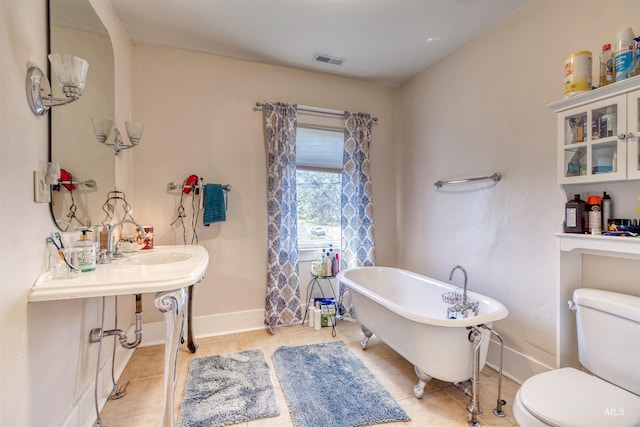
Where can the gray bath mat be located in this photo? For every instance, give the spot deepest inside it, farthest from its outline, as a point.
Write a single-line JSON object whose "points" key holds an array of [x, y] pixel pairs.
{"points": [[327, 385], [228, 389]]}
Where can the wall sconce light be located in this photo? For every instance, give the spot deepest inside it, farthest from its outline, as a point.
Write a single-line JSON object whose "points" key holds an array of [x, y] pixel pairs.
{"points": [[71, 73], [102, 129]]}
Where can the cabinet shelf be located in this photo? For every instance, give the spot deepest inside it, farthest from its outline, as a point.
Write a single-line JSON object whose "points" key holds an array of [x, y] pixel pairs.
{"points": [[608, 91], [616, 246], [598, 134]]}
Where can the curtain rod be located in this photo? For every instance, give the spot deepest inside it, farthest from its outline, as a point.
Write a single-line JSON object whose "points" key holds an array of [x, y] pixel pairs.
{"points": [[320, 111]]}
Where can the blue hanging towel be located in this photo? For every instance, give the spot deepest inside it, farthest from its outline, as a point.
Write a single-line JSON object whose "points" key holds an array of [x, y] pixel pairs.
{"points": [[214, 204]]}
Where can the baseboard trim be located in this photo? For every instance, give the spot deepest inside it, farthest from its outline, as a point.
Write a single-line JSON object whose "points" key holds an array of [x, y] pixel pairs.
{"points": [[209, 326], [515, 366]]}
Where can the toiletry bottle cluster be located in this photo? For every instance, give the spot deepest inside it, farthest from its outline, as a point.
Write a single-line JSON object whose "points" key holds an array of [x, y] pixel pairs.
{"points": [[622, 60], [77, 257], [618, 61], [322, 313], [328, 265], [590, 216]]}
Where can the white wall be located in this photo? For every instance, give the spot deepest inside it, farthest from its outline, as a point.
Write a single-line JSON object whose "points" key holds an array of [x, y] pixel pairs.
{"points": [[200, 118], [46, 363], [479, 111], [23, 148]]}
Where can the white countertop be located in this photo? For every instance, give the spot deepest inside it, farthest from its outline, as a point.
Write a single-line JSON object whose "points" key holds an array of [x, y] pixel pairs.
{"points": [[123, 277]]}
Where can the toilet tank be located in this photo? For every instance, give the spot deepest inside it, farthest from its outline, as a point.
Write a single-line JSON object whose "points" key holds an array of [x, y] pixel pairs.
{"points": [[609, 336]]}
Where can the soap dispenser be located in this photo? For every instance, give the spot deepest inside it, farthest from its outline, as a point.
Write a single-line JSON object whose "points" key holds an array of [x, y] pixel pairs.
{"points": [[86, 252]]}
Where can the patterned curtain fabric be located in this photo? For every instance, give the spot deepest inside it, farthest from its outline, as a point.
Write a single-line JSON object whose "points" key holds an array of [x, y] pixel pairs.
{"points": [[282, 306], [358, 248]]}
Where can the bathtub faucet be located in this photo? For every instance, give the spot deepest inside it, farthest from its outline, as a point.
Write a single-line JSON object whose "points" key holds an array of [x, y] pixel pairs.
{"points": [[463, 307], [464, 293]]}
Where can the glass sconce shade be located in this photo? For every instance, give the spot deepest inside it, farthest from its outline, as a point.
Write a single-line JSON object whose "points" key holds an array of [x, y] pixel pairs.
{"points": [[70, 71], [134, 131], [102, 128]]}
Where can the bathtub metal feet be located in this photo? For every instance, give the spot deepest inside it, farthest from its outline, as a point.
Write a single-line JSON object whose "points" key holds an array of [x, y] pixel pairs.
{"points": [[423, 379], [118, 392], [367, 335]]}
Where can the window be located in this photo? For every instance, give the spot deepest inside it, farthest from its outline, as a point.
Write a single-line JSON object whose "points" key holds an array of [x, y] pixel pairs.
{"points": [[318, 186]]}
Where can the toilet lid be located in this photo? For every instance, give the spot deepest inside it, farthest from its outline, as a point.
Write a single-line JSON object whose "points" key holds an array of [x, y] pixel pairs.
{"points": [[570, 398]]}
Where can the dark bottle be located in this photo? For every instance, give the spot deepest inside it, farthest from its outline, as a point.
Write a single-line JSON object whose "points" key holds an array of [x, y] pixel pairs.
{"points": [[607, 211], [575, 215]]}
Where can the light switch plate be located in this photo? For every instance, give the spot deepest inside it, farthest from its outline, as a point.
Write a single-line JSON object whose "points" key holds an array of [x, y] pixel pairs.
{"points": [[41, 190]]}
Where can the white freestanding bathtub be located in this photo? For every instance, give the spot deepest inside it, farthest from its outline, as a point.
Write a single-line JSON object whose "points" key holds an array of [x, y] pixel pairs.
{"points": [[407, 312]]}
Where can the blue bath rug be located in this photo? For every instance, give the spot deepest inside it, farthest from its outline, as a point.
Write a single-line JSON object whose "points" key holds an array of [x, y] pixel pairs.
{"points": [[228, 389], [327, 385]]}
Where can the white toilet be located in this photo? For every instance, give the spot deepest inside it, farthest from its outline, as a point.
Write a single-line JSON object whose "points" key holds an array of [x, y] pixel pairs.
{"points": [[608, 326]]}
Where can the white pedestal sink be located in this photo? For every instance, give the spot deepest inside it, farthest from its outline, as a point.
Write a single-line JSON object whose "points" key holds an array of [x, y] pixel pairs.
{"points": [[166, 270]]}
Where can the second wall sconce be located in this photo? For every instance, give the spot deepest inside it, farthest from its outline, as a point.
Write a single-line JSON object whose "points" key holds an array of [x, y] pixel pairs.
{"points": [[71, 73], [102, 129]]}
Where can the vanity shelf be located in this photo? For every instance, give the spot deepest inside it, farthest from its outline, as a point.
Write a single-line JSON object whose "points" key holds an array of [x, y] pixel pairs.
{"points": [[615, 246]]}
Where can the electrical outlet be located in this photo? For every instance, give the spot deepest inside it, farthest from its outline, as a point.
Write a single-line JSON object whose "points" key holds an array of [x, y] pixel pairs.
{"points": [[41, 190]]}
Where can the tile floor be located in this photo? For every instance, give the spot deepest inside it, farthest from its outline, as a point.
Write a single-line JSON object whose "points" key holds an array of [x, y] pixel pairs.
{"points": [[442, 405]]}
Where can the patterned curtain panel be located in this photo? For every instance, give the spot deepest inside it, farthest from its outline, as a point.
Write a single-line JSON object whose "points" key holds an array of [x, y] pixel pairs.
{"points": [[282, 305], [358, 248]]}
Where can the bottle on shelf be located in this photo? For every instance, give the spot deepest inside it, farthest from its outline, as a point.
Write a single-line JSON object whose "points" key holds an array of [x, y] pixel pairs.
{"points": [[623, 55], [608, 122], [86, 252], [327, 266], [594, 215], [634, 69], [575, 215], [606, 65], [607, 211]]}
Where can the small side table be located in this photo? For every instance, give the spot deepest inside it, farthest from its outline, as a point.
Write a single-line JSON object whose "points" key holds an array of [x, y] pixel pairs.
{"points": [[315, 280]]}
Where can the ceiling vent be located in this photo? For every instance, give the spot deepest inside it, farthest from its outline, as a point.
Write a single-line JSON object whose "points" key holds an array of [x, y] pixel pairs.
{"points": [[327, 59]]}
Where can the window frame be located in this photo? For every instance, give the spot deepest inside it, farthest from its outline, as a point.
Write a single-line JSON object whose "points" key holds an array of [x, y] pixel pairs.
{"points": [[311, 248]]}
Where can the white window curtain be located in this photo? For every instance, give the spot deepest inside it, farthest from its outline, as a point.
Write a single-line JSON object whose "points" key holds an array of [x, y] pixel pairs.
{"points": [[282, 306], [358, 248]]}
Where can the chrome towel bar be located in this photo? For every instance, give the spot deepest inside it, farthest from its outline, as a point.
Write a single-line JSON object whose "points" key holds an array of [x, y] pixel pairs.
{"points": [[495, 178], [172, 186]]}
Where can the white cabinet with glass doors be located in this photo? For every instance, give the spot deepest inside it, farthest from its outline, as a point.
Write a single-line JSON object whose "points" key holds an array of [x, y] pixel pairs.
{"points": [[598, 134]]}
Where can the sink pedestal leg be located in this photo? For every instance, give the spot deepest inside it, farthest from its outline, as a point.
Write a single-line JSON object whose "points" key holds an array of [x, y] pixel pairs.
{"points": [[172, 305], [191, 343]]}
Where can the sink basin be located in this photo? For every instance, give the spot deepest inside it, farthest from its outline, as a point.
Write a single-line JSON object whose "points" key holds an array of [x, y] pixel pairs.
{"points": [[154, 258], [163, 268]]}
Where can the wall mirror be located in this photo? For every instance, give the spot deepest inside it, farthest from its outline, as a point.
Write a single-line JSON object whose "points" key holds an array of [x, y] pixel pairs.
{"points": [[75, 28]]}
